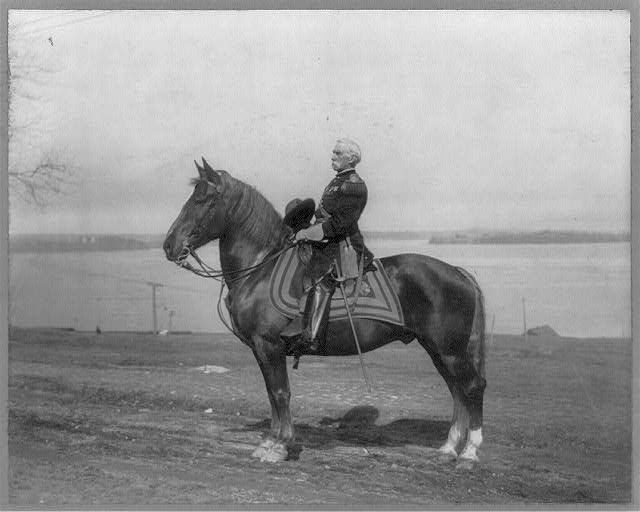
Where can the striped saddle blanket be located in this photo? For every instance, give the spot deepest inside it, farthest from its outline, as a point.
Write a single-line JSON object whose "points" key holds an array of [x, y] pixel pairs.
{"points": [[377, 300]]}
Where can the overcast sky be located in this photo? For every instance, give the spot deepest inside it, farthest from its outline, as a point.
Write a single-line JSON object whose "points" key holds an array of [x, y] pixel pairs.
{"points": [[490, 119]]}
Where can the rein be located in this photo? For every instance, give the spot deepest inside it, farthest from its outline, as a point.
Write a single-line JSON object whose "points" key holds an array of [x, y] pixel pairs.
{"points": [[220, 275], [210, 272]]}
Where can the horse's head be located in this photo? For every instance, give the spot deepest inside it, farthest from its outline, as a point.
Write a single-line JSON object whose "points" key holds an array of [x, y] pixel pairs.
{"points": [[201, 219]]}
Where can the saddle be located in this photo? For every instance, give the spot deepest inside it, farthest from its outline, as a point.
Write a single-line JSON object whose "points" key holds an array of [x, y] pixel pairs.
{"points": [[372, 297]]}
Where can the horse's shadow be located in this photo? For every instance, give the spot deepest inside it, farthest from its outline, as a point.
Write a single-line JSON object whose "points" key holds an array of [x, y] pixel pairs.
{"points": [[357, 427]]}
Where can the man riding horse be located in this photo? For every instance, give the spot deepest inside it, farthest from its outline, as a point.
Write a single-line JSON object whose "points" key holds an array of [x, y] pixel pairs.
{"points": [[442, 305], [336, 226]]}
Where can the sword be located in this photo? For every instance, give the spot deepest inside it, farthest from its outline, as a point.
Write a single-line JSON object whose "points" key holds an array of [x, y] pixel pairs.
{"points": [[340, 281]]}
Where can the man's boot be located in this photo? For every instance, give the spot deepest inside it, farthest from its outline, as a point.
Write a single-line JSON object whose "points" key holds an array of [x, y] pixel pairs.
{"points": [[316, 314], [308, 330]]}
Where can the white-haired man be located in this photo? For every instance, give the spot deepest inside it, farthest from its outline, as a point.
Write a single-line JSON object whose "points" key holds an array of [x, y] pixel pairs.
{"points": [[342, 203]]}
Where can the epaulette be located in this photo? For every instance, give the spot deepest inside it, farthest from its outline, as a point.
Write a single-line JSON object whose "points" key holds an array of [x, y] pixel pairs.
{"points": [[354, 186]]}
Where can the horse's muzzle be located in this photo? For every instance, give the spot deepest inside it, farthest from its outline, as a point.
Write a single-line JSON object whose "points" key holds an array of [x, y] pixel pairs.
{"points": [[170, 251]]}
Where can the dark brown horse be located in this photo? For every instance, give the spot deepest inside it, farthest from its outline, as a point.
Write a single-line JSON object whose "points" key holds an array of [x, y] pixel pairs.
{"points": [[442, 305]]}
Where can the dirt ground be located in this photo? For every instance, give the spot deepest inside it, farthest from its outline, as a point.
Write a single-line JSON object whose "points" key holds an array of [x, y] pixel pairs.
{"points": [[135, 419]]}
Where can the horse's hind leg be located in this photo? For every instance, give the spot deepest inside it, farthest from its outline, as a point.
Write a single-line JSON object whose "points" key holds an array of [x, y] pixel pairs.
{"points": [[470, 375], [273, 364], [467, 371], [460, 418], [471, 386], [466, 385], [459, 425]]}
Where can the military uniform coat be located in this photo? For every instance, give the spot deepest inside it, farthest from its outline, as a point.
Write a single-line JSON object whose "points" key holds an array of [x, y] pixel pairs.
{"points": [[342, 203]]}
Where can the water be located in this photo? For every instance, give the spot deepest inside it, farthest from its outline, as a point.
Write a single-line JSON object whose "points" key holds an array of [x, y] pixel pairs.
{"points": [[579, 290]]}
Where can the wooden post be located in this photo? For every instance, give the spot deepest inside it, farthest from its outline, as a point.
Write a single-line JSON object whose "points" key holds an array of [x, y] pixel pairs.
{"points": [[171, 313], [155, 314], [153, 306]]}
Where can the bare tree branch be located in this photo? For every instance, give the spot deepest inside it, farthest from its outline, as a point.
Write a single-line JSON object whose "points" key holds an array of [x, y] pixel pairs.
{"points": [[36, 171], [36, 183]]}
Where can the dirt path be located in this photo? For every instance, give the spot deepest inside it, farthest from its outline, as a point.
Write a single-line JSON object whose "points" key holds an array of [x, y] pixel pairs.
{"points": [[136, 419]]}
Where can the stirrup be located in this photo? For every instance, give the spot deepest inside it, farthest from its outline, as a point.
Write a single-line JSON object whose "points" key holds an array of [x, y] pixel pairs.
{"points": [[302, 343], [297, 345]]}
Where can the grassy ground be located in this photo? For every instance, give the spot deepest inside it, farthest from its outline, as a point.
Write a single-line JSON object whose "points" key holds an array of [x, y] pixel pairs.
{"points": [[131, 419]]}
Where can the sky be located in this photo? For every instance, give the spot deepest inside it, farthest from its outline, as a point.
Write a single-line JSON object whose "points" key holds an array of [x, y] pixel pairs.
{"points": [[466, 119]]}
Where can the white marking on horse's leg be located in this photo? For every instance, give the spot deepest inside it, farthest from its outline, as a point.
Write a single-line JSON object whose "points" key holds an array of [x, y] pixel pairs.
{"points": [[277, 453], [461, 418], [263, 448], [474, 441], [458, 429], [449, 448]]}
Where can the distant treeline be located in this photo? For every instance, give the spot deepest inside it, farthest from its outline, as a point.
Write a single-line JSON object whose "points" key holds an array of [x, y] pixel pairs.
{"points": [[62, 243], [529, 237]]}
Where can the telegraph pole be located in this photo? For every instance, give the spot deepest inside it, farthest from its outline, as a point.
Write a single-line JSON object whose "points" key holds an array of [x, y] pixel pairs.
{"points": [[153, 305], [171, 313]]}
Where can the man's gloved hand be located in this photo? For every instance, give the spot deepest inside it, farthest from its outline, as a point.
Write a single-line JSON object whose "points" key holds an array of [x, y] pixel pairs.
{"points": [[314, 233]]}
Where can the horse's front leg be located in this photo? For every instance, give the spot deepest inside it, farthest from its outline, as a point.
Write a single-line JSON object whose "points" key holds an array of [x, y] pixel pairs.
{"points": [[273, 364], [269, 440]]}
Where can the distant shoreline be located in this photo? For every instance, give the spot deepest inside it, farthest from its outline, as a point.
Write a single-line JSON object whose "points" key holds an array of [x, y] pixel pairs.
{"points": [[14, 329], [532, 237], [99, 243]]}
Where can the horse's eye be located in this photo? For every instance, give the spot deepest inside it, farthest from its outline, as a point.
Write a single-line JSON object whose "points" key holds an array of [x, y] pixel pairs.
{"points": [[200, 192]]}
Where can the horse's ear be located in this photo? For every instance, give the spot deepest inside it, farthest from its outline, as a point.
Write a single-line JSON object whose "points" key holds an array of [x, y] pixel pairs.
{"points": [[210, 172], [201, 170]]}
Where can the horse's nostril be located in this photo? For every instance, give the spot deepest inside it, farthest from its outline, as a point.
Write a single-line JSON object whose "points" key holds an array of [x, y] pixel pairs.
{"points": [[167, 247], [184, 254]]}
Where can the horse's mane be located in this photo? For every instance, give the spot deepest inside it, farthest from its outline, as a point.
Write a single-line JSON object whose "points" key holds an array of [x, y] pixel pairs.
{"points": [[250, 212]]}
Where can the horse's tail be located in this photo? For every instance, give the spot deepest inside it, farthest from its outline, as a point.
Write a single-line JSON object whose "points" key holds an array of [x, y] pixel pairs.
{"points": [[476, 346]]}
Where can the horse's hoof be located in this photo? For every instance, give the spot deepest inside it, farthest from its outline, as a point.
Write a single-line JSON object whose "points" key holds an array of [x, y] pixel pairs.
{"points": [[467, 460], [263, 448], [447, 453], [277, 453], [469, 454]]}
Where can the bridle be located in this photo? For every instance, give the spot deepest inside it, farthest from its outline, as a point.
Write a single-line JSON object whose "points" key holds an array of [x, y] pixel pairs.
{"points": [[210, 272]]}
